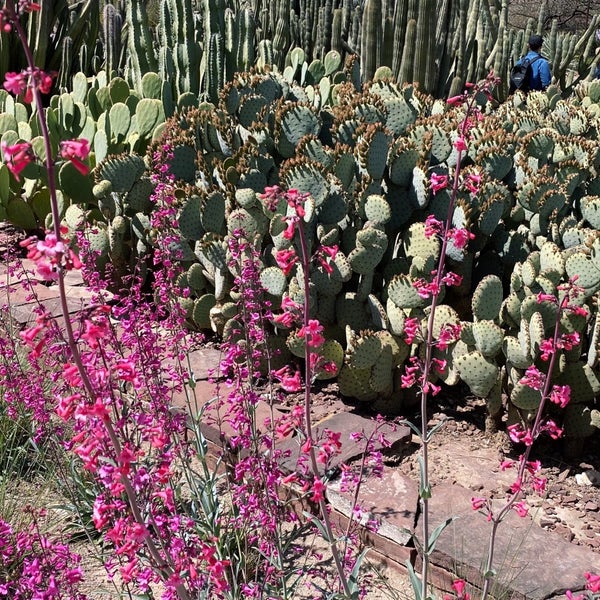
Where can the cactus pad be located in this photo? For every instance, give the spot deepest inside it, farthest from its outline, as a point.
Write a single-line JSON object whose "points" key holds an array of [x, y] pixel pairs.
{"points": [[477, 372]]}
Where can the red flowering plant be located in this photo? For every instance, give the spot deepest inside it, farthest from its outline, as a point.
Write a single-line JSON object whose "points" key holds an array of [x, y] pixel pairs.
{"points": [[423, 367]]}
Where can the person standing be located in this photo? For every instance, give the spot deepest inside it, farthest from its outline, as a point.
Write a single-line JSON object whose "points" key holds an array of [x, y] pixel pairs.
{"points": [[540, 76]]}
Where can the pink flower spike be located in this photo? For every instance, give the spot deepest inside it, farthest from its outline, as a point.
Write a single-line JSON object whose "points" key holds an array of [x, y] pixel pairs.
{"points": [[456, 100]]}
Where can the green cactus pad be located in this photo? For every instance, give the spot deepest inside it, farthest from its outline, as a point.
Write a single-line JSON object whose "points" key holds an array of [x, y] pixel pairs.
{"points": [[487, 299], [355, 383], [547, 310], [196, 279], [403, 294], [402, 162], [510, 311], [377, 209], [212, 214], [190, 224], [579, 421], [477, 372], [365, 351], [525, 398], [381, 379], [417, 244], [252, 221], [122, 171], [274, 281], [201, 312], [332, 352], [588, 274], [306, 177], [372, 150], [488, 337], [536, 333], [514, 354], [351, 312], [582, 380]]}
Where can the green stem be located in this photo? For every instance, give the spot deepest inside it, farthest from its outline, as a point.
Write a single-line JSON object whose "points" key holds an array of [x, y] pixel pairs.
{"points": [[307, 416], [525, 456]]}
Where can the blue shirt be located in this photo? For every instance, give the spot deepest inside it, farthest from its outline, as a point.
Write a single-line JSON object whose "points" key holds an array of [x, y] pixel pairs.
{"points": [[541, 76]]}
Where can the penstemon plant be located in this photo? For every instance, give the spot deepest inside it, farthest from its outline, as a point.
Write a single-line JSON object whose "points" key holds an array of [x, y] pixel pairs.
{"points": [[99, 384], [528, 477], [420, 369]]}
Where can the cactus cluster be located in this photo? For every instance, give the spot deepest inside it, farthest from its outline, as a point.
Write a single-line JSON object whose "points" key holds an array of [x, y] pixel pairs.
{"points": [[365, 155]]}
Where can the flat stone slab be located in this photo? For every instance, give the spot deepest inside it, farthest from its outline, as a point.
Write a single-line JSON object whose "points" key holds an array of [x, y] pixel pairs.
{"points": [[347, 423], [204, 363], [531, 563], [391, 500]]}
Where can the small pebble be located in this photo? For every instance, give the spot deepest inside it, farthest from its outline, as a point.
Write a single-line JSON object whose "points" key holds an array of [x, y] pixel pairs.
{"points": [[591, 506]]}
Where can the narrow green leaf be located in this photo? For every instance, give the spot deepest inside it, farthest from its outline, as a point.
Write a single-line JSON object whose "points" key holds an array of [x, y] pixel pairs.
{"points": [[414, 580], [437, 532]]}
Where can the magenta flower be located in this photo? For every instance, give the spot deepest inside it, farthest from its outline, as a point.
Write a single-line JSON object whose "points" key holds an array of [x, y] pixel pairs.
{"points": [[17, 156], [411, 328], [286, 259], [438, 182], [460, 144], [520, 508], [289, 382], [318, 491], [561, 395], [533, 378], [76, 151], [312, 333], [460, 237], [433, 226], [15, 83], [593, 582]]}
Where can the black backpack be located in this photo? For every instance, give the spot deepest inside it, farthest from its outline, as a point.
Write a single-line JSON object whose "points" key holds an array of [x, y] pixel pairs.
{"points": [[521, 74]]}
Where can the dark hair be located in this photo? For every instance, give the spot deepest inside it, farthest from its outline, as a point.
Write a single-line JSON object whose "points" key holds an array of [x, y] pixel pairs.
{"points": [[535, 42]]}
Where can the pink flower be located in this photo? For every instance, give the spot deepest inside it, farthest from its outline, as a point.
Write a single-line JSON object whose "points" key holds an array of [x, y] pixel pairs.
{"points": [[17, 157], [438, 182], [318, 491], [459, 587], [554, 431], [593, 582], [433, 226], [286, 259], [289, 382], [411, 327], [452, 279], [460, 237], [448, 335], [533, 378], [477, 503], [460, 144], [546, 349], [507, 464], [312, 333], [472, 182], [15, 83], [561, 395], [520, 508], [76, 151]]}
